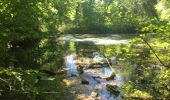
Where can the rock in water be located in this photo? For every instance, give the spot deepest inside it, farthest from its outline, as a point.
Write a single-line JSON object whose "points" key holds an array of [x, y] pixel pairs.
{"points": [[112, 76], [80, 69], [84, 81], [61, 71], [74, 75], [113, 89], [94, 94]]}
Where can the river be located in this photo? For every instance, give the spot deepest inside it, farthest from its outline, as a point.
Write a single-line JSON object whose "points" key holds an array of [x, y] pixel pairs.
{"points": [[90, 61]]}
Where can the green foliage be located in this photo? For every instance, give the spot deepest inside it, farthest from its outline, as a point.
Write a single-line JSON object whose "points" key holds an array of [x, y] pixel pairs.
{"points": [[162, 84], [149, 76], [29, 85], [16, 84], [29, 31], [52, 54], [24, 24]]}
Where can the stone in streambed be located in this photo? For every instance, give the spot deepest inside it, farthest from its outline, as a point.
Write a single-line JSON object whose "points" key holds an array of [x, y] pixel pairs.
{"points": [[84, 81], [94, 94], [112, 76], [74, 75], [80, 69], [62, 71], [113, 89]]}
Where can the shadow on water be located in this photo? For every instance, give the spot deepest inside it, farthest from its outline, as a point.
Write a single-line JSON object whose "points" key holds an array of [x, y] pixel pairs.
{"points": [[89, 75]]}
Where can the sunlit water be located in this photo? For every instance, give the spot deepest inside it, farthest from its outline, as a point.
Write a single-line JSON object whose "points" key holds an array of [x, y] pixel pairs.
{"points": [[96, 84], [98, 39], [71, 65], [99, 83]]}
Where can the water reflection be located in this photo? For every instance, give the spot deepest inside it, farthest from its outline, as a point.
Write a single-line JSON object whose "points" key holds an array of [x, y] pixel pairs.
{"points": [[118, 80], [107, 71], [106, 95], [71, 65], [95, 77], [84, 54]]}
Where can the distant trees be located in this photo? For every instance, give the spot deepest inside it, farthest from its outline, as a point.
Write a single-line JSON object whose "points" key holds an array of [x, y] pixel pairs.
{"points": [[30, 22]]}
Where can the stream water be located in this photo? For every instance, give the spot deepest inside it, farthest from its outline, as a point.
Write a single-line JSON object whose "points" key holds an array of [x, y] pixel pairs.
{"points": [[88, 69]]}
